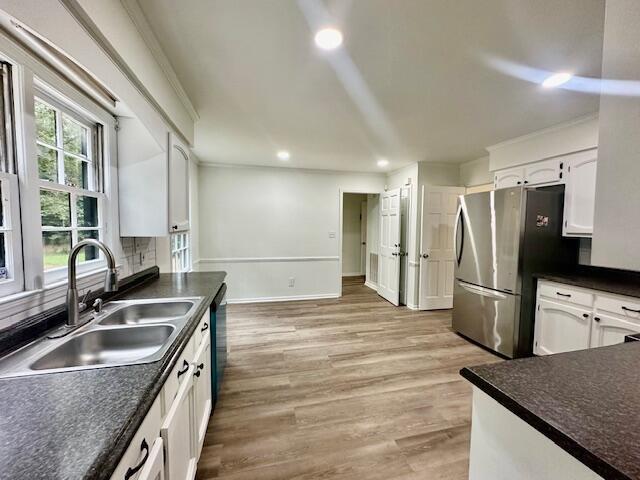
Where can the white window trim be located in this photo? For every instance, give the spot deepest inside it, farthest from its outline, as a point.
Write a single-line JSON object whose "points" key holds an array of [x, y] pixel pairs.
{"points": [[13, 235], [184, 252], [32, 77]]}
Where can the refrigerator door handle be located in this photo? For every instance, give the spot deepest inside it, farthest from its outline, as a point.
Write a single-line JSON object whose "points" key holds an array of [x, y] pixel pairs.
{"points": [[459, 230], [485, 292]]}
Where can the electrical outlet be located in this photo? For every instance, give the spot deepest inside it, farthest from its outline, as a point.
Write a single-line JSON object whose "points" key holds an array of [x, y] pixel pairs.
{"points": [[292, 282]]}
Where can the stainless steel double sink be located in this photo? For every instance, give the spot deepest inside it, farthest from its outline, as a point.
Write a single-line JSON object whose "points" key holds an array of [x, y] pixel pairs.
{"points": [[125, 333]]}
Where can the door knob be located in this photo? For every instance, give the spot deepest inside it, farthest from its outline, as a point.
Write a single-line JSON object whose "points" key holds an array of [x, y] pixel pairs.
{"points": [[425, 255]]}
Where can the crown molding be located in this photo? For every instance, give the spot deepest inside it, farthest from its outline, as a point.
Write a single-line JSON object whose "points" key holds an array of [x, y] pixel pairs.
{"points": [[133, 9]]}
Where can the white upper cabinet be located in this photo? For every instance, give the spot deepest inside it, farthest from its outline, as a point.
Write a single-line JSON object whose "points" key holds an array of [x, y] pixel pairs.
{"points": [[580, 192], [509, 177], [545, 172], [153, 182], [178, 186]]}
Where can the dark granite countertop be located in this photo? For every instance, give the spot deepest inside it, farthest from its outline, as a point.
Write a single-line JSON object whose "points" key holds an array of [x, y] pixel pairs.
{"points": [[606, 280], [75, 425], [585, 401]]}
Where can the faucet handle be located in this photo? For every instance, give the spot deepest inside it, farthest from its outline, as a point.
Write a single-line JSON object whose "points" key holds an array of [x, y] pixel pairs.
{"points": [[83, 303], [97, 305]]}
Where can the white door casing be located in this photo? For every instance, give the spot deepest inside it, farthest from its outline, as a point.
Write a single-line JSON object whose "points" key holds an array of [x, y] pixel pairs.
{"points": [[363, 237], [437, 250], [389, 259]]}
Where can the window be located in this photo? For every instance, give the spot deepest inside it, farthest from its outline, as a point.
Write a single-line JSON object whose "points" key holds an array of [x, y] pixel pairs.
{"points": [[180, 261], [70, 197], [11, 273]]}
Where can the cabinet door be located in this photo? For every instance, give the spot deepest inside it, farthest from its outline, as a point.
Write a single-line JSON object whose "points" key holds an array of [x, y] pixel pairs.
{"points": [[178, 187], [178, 433], [610, 330], [202, 392], [560, 328], [509, 177], [580, 194], [154, 467], [545, 171]]}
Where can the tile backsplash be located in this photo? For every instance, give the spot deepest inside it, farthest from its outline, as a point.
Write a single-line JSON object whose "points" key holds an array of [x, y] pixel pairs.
{"points": [[138, 254]]}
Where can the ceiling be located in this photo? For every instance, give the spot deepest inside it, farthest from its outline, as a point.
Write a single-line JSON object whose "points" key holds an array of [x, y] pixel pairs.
{"points": [[414, 80]]}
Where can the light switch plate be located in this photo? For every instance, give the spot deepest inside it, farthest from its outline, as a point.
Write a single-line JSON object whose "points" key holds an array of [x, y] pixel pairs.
{"points": [[332, 234]]}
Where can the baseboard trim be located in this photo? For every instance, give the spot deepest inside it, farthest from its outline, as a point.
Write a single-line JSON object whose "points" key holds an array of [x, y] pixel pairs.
{"points": [[290, 298], [353, 275], [371, 285], [413, 307]]}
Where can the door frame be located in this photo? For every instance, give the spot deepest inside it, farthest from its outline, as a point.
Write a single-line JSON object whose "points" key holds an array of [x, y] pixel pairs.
{"points": [[341, 193]]}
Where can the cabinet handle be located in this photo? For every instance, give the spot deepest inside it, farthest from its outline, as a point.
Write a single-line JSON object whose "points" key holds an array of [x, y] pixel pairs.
{"points": [[519, 183], [132, 471], [585, 315], [568, 295], [597, 319], [201, 366], [185, 367], [630, 309], [174, 227], [196, 373], [204, 327], [526, 181]]}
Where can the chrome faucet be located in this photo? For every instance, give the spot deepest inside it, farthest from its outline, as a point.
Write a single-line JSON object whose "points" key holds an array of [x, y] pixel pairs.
{"points": [[110, 280]]}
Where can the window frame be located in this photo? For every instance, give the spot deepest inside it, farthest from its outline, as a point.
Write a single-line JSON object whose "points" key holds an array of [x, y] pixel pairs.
{"points": [[94, 156], [181, 253], [13, 235]]}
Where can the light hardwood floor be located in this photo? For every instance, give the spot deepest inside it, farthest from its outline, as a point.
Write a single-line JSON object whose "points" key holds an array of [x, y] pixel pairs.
{"points": [[352, 388]]}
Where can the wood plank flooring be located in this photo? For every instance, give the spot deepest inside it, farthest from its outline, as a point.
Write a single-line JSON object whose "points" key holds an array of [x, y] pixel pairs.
{"points": [[352, 388]]}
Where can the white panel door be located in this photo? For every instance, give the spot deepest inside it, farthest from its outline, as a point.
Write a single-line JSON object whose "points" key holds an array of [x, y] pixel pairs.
{"points": [[202, 387], [560, 328], [437, 250], [580, 194], [154, 466], [389, 261]]}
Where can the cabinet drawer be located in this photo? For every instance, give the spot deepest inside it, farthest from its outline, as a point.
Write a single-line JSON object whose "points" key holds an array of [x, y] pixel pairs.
{"points": [[177, 375], [628, 307], [204, 329], [559, 291], [139, 450]]}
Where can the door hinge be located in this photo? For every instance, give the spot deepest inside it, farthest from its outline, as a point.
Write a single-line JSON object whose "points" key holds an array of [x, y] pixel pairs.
{"points": [[561, 165], [561, 175], [565, 223], [538, 307]]}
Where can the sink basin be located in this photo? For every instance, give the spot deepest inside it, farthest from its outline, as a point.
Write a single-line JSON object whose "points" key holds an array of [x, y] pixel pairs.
{"points": [[106, 347], [140, 313]]}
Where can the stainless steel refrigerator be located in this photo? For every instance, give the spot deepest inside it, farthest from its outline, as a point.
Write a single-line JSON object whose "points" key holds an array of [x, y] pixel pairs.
{"points": [[502, 238]]}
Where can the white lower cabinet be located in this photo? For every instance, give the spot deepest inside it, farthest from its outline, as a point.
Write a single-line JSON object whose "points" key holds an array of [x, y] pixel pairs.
{"points": [[178, 432], [560, 328], [610, 330], [202, 387], [153, 468], [168, 443], [571, 318]]}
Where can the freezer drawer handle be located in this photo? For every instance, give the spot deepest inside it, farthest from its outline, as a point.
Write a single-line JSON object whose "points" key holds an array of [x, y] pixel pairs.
{"points": [[568, 295], [132, 471], [630, 309]]}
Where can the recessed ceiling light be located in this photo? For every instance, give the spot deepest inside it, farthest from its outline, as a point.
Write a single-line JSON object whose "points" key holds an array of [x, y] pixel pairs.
{"points": [[328, 38], [383, 162], [556, 79], [283, 155]]}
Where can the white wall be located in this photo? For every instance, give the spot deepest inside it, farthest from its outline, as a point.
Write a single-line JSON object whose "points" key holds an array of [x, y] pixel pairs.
{"points": [[265, 226], [579, 134], [616, 230], [442, 174], [476, 172], [352, 234]]}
